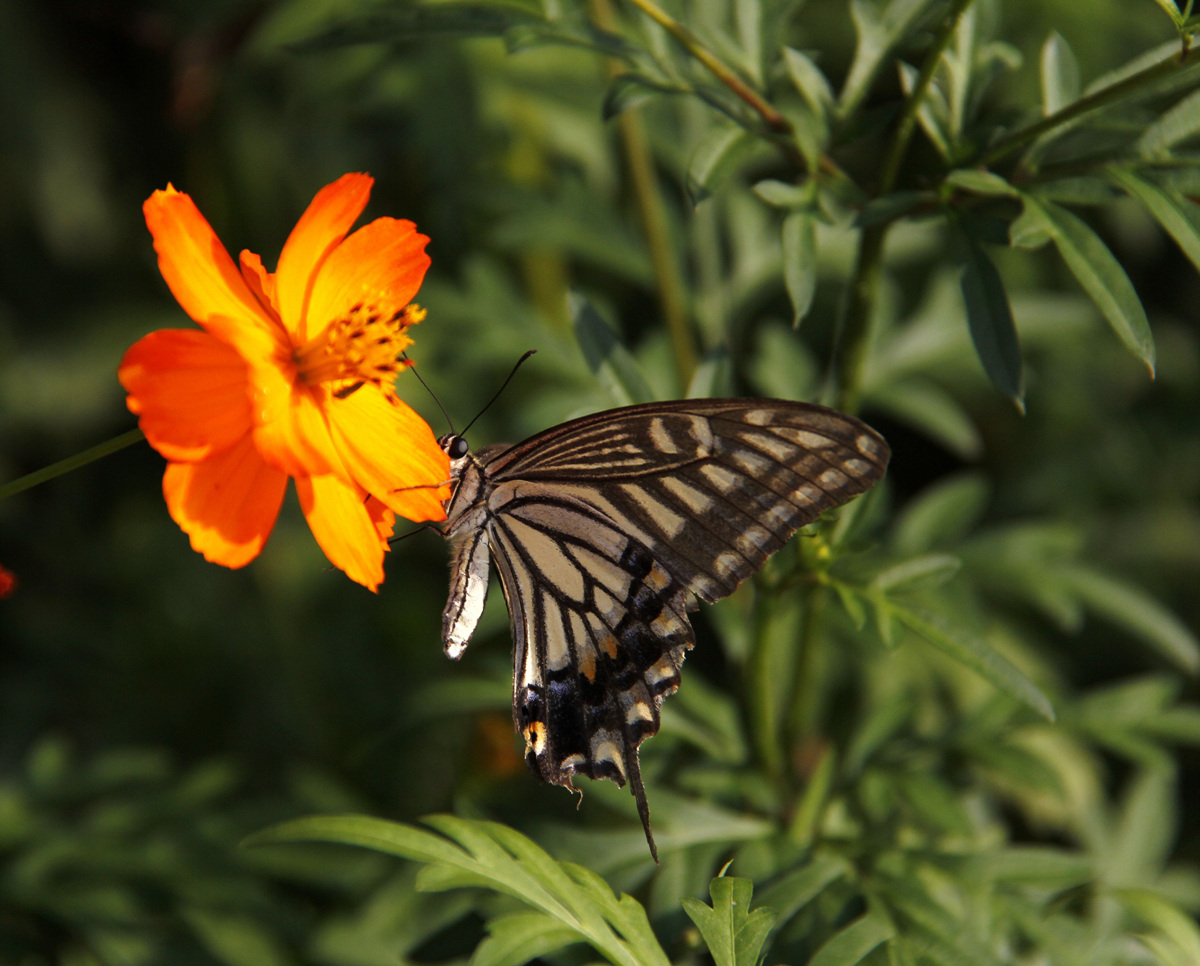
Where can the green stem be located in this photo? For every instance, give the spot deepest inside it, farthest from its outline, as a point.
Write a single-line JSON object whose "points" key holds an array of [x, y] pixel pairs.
{"points": [[908, 117], [654, 222], [71, 463], [688, 40], [855, 330], [1114, 92]]}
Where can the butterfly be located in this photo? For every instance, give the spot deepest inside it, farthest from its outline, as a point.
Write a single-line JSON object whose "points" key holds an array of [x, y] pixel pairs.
{"points": [[607, 530]]}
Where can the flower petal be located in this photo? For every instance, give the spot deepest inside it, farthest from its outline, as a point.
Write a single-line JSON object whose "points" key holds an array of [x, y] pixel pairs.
{"points": [[391, 452], [332, 213], [190, 390], [227, 505], [203, 278], [290, 428], [343, 527], [261, 282], [382, 264]]}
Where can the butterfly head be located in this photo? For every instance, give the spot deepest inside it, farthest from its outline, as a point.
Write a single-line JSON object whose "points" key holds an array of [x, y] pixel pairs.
{"points": [[454, 446]]}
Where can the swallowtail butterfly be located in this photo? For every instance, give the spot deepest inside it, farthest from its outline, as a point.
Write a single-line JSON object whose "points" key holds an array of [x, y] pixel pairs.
{"points": [[606, 530]]}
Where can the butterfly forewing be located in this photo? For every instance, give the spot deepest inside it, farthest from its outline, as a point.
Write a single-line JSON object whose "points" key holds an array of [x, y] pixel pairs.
{"points": [[605, 530]]}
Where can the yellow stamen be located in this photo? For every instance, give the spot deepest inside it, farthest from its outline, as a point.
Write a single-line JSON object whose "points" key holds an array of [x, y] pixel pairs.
{"points": [[362, 346]]}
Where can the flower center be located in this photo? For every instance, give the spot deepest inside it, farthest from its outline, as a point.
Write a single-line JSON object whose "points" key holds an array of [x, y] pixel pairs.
{"points": [[364, 345]]}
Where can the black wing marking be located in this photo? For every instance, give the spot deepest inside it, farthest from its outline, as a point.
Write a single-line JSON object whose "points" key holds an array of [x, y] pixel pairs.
{"points": [[601, 631], [712, 487]]}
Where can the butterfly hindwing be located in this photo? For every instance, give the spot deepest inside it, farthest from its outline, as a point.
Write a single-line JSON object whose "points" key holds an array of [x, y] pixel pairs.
{"points": [[606, 529]]}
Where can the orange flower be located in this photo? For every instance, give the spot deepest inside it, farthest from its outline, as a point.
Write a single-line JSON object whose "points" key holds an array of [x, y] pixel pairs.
{"points": [[291, 376], [8, 581]]}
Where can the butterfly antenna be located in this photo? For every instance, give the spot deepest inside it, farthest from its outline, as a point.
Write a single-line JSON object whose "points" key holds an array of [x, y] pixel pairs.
{"points": [[413, 367], [498, 391]]}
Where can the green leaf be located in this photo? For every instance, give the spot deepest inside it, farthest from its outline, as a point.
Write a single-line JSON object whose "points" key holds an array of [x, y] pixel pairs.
{"points": [[1172, 11], [733, 933], [1060, 75], [713, 376], [933, 113], [917, 573], [989, 317], [629, 89], [879, 31], [780, 194], [800, 886], [1178, 216], [1100, 274], [980, 182], [854, 943], [517, 939], [1165, 917], [418, 21], [463, 852], [1178, 124], [930, 409], [809, 81], [236, 940], [608, 359], [717, 158], [1136, 611], [527, 36], [973, 652], [800, 262], [940, 514]]}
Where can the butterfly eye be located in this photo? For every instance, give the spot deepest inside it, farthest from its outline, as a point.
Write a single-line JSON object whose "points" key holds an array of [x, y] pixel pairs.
{"points": [[457, 448]]}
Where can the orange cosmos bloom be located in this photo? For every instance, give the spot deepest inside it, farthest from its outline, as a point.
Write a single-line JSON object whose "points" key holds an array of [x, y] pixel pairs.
{"points": [[290, 375]]}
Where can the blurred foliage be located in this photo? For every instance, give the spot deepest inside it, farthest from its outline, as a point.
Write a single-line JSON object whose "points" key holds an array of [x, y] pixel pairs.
{"points": [[954, 723]]}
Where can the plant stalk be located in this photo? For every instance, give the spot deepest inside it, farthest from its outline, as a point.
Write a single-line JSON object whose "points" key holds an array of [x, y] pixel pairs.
{"points": [[653, 213], [71, 463], [1187, 57]]}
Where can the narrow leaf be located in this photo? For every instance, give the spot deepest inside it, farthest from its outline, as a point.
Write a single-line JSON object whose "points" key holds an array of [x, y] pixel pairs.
{"points": [[608, 359], [918, 573], [517, 939], [717, 159], [980, 182], [854, 943], [1060, 75], [809, 81], [1178, 124], [802, 885], [1137, 612], [989, 318], [800, 262], [1178, 216], [1100, 274], [629, 89], [879, 31], [975, 653]]}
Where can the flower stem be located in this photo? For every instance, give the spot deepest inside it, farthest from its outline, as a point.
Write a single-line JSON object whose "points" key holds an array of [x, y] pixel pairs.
{"points": [[1187, 57], [71, 463], [654, 221]]}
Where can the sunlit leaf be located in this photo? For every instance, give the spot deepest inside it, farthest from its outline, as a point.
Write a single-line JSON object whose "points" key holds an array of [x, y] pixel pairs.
{"points": [[516, 939], [809, 81], [717, 158], [1060, 75], [733, 933]]}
